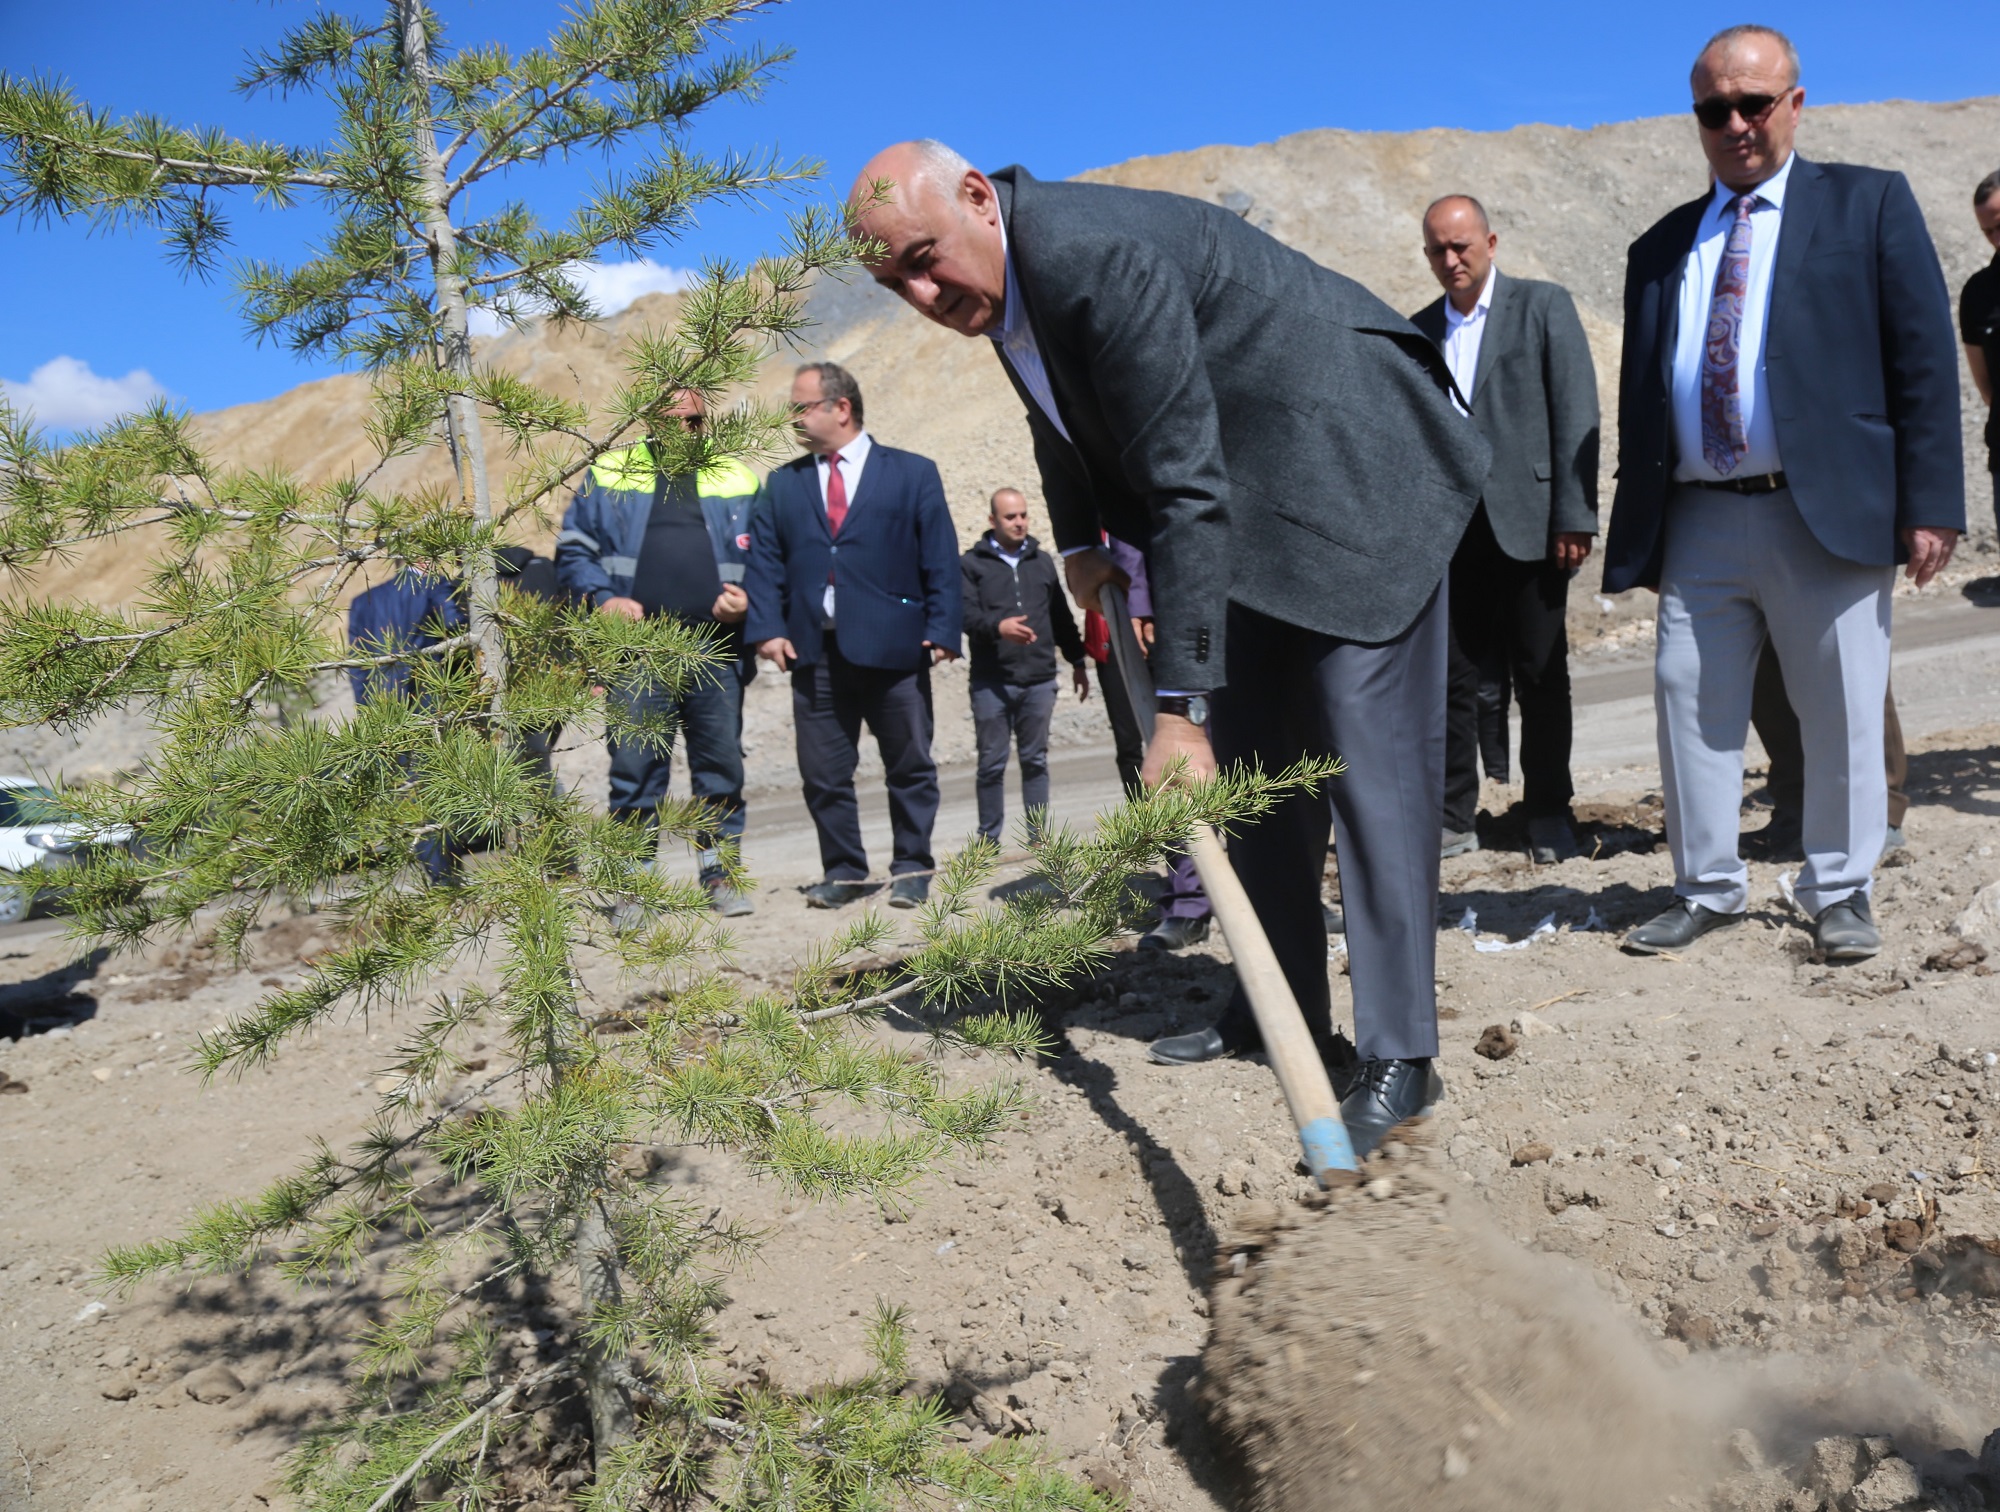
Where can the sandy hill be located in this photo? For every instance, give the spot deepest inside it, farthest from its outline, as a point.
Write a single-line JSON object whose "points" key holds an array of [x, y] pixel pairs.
{"points": [[1565, 202]]}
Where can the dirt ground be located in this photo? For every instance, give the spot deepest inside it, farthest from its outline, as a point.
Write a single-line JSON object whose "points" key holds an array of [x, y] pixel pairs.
{"points": [[1752, 1155]]}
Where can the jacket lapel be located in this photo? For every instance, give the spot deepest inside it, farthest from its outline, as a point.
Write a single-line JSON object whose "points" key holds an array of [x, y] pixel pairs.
{"points": [[1007, 184], [1679, 247], [1805, 192], [1501, 318], [871, 475]]}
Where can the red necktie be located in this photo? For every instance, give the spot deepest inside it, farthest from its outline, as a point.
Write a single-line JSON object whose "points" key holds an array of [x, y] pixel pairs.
{"points": [[836, 494]]}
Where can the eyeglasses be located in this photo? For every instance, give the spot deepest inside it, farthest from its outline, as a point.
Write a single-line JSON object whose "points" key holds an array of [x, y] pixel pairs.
{"points": [[1715, 111], [810, 404]]}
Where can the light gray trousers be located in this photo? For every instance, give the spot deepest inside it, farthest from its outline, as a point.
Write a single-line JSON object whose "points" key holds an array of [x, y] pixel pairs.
{"points": [[1739, 568]]}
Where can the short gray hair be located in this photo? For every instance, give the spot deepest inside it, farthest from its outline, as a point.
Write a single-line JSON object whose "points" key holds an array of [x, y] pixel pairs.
{"points": [[835, 382], [1477, 208], [1988, 187], [1729, 36], [938, 166]]}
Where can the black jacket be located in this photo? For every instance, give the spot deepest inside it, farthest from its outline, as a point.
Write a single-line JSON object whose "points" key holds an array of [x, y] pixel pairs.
{"points": [[1268, 431], [995, 590], [1860, 356], [1534, 396]]}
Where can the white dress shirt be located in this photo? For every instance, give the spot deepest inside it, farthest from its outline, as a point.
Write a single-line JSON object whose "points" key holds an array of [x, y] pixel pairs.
{"points": [[1697, 294], [1463, 335], [853, 457]]}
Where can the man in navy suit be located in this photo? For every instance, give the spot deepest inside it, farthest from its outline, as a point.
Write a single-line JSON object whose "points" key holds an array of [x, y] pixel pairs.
{"points": [[854, 589], [1788, 432]]}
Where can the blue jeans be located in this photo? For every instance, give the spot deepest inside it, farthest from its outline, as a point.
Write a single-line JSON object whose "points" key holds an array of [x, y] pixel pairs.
{"points": [[1004, 715], [709, 717]]}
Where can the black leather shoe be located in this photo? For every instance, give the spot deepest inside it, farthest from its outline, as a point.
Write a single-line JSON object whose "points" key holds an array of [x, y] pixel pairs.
{"points": [[1457, 843], [1174, 934], [1679, 926], [1384, 1093], [909, 891], [1845, 931], [1190, 1049], [1783, 839], [1551, 840], [834, 894]]}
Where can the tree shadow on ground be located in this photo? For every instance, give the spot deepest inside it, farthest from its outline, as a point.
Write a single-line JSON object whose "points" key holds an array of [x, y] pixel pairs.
{"points": [[1966, 780], [51, 1000]]}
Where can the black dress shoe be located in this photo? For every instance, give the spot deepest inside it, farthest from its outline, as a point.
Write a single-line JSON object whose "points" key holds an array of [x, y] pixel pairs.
{"points": [[909, 891], [1174, 934], [1384, 1093], [1845, 931], [1683, 922], [833, 893], [1783, 839], [1190, 1049]]}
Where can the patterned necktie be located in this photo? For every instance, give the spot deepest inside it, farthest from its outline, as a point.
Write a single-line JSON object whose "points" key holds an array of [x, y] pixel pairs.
{"points": [[836, 494], [1724, 442]]}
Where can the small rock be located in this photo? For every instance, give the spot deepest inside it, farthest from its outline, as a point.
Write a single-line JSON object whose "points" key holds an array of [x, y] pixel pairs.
{"points": [[213, 1384], [1063, 1370], [1980, 923], [1833, 1465], [1106, 1481], [1706, 1267], [1891, 1484], [1234, 1181], [9, 1086], [1528, 1025], [1381, 1188], [1904, 1234], [1953, 955], [1881, 1193], [1533, 1154], [1497, 1043], [120, 1388], [1455, 1463], [103, 1073]]}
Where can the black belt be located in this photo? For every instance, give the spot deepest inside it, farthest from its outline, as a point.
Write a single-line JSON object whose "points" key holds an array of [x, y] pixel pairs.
{"points": [[1763, 483]]}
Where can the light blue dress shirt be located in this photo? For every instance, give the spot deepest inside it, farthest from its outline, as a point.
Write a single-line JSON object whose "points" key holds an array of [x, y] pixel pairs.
{"points": [[1017, 339], [1697, 294]]}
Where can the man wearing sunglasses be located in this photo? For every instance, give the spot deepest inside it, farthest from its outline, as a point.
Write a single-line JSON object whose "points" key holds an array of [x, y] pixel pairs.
{"points": [[1788, 434]]}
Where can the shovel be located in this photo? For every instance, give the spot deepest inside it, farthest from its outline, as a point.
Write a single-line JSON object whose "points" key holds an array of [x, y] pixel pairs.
{"points": [[1329, 1153]]}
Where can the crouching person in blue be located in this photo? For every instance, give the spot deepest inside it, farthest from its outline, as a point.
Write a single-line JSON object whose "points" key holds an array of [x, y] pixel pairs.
{"points": [[639, 543], [413, 611]]}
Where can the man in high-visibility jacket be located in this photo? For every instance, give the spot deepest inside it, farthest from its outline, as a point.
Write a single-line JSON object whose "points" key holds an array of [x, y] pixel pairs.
{"points": [[639, 543]]}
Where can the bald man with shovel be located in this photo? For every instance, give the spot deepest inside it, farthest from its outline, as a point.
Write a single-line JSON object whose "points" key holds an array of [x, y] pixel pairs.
{"points": [[1284, 447]]}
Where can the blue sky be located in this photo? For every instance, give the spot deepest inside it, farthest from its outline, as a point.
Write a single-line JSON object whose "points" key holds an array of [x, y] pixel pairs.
{"points": [[1061, 85]]}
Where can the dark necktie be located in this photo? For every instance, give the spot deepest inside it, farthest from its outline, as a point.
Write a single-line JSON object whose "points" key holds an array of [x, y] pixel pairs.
{"points": [[1724, 442], [836, 494]]}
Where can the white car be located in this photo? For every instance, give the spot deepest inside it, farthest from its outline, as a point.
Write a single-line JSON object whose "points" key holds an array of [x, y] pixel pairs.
{"points": [[38, 835]]}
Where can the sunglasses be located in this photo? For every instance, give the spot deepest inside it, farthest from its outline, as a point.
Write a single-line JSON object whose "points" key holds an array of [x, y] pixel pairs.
{"points": [[1715, 111]]}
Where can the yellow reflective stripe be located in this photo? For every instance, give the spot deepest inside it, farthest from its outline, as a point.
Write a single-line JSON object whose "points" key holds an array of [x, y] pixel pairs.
{"points": [[727, 479], [632, 469]]}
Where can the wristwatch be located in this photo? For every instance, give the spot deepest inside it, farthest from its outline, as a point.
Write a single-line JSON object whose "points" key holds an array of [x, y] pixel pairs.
{"points": [[1193, 707]]}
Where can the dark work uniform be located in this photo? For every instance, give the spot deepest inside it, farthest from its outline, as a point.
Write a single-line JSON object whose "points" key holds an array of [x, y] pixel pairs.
{"points": [[1979, 326], [676, 576]]}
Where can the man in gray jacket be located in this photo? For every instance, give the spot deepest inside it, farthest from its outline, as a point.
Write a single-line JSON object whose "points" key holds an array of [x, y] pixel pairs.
{"points": [[1284, 448], [1521, 362]]}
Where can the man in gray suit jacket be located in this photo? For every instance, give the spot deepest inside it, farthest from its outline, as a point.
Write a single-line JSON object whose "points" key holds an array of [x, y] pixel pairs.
{"points": [[1522, 364], [1284, 448]]}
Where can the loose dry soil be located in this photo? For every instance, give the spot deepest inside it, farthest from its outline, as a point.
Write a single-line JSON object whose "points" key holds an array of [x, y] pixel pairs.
{"points": [[1743, 1155]]}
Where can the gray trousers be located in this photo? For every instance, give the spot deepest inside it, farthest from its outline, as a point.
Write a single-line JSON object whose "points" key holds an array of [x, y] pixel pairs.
{"points": [[1381, 710], [1012, 716], [1739, 569]]}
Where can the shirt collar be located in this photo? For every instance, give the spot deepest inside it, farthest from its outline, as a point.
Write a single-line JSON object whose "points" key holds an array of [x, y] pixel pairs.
{"points": [[1480, 306], [850, 453], [1011, 318], [1771, 192]]}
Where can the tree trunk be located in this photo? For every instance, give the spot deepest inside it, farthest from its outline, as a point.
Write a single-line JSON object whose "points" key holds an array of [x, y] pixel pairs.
{"points": [[597, 1272], [596, 1252], [455, 350]]}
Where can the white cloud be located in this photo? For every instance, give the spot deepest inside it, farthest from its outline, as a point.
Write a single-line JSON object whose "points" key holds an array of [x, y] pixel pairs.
{"points": [[613, 286], [609, 286], [64, 394]]}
